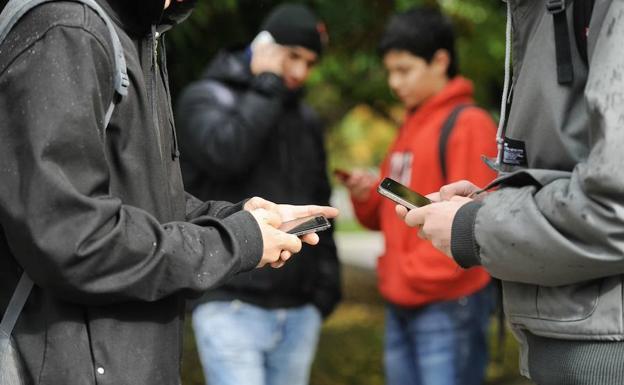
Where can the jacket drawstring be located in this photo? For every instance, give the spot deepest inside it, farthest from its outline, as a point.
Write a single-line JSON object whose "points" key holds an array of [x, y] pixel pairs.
{"points": [[500, 133]]}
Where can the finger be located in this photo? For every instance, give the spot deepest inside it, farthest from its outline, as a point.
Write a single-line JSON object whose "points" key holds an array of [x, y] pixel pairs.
{"points": [[462, 187], [416, 217], [422, 234], [290, 243], [278, 264], [310, 239], [401, 211], [285, 255], [434, 197], [291, 212]]}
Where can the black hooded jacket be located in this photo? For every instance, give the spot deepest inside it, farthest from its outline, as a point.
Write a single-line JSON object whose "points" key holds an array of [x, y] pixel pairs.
{"points": [[100, 220], [242, 134]]}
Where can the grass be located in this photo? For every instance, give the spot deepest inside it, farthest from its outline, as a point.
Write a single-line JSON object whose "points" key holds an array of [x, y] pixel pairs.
{"points": [[350, 348]]}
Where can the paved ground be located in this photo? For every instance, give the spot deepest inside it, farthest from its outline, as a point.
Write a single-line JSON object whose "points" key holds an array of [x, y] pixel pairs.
{"points": [[359, 249]]}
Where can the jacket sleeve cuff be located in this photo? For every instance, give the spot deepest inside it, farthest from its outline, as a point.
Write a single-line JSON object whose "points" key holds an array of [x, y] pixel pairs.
{"points": [[268, 83], [248, 236], [464, 247]]}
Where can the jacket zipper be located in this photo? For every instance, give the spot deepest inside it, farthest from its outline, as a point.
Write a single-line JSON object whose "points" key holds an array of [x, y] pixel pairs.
{"points": [[154, 68], [153, 85]]}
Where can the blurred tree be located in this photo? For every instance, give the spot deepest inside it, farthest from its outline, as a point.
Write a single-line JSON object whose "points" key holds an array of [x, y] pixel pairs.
{"points": [[350, 74]]}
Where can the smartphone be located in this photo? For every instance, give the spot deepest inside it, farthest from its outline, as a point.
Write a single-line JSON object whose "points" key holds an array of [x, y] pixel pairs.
{"points": [[341, 174], [262, 38], [306, 225], [401, 194]]}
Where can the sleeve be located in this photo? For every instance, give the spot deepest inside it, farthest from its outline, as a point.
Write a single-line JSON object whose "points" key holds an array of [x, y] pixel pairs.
{"points": [[222, 135], [570, 229], [328, 291], [62, 225], [473, 136], [220, 209]]}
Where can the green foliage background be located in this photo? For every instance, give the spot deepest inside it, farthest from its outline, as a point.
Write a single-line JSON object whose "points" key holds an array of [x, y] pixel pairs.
{"points": [[348, 87]]}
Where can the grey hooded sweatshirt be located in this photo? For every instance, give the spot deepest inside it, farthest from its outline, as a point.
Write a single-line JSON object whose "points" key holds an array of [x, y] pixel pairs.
{"points": [[554, 230]]}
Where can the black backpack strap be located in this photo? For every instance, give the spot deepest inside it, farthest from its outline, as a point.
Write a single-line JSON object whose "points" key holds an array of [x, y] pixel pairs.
{"points": [[445, 132], [582, 13], [565, 70]]}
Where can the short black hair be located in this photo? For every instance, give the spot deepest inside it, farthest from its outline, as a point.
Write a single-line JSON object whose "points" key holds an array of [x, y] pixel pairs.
{"points": [[421, 31]]}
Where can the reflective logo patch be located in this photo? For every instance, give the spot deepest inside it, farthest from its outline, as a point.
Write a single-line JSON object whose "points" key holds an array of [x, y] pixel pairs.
{"points": [[514, 153]]}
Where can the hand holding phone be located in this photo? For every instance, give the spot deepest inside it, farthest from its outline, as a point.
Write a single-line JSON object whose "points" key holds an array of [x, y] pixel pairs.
{"points": [[342, 175], [401, 194], [306, 225], [266, 55]]}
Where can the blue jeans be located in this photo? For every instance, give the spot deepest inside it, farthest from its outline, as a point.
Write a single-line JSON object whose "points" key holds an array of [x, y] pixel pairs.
{"points": [[243, 344], [442, 343]]}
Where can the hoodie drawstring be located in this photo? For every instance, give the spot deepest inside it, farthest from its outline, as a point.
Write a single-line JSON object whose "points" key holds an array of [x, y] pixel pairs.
{"points": [[500, 133]]}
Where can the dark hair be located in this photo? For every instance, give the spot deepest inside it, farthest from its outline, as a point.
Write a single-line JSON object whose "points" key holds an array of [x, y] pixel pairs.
{"points": [[421, 32]]}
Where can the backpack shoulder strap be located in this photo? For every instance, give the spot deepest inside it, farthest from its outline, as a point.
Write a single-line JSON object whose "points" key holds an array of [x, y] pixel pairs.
{"points": [[563, 53], [445, 132], [582, 14], [13, 310], [10, 15], [15, 9]]}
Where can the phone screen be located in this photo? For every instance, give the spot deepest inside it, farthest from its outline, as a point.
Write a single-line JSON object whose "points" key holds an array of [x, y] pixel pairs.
{"points": [[401, 194], [301, 226]]}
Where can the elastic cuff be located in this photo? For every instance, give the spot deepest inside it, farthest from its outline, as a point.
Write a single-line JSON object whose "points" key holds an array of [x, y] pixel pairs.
{"points": [[269, 84], [249, 238], [464, 246]]}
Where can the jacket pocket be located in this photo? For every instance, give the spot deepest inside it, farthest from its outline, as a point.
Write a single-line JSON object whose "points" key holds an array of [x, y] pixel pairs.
{"points": [[562, 303], [520, 299], [568, 303]]}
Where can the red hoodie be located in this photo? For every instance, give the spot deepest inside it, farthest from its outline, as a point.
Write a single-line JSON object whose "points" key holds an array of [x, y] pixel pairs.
{"points": [[411, 271]]}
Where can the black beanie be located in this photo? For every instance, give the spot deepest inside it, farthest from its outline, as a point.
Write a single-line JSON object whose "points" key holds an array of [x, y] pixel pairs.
{"points": [[295, 24]]}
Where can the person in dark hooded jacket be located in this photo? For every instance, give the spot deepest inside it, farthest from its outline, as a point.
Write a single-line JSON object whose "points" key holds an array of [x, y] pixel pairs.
{"points": [[97, 216], [244, 129]]}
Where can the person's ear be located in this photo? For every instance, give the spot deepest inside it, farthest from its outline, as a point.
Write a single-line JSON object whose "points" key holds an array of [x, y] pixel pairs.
{"points": [[440, 62]]}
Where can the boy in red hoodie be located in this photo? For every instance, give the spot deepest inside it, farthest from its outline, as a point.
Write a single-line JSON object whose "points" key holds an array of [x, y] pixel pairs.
{"points": [[437, 313]]}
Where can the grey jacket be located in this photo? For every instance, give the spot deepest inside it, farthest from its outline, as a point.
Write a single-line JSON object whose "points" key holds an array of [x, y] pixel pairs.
{"points": [[554, 231]]}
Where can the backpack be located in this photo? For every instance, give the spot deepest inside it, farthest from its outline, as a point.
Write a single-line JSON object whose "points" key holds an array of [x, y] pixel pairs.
{"points": [[11, 371], [582, 12]]}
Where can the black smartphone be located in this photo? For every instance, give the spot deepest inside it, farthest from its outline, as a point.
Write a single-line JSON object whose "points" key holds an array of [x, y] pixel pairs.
{"points": [[306, 225], [401, 194]]}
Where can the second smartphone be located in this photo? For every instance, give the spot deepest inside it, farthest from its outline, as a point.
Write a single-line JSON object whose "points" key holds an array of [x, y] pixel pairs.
{"points": [[402, 194]]}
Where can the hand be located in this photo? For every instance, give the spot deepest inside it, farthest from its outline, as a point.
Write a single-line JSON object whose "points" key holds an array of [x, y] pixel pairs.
{"points": [[289, 212], [462, 188], [360, 184], [435, 221], [278, 246], [268, 57]]}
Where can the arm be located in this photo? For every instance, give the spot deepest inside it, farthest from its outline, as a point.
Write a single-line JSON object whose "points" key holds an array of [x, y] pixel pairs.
{"points": [[222, 135], [472, 137], [196, 208], [570, 229], [63, 227]]}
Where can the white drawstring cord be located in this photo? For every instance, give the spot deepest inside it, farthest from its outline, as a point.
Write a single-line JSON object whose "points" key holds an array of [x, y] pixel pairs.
{"points": [[503, 109]]}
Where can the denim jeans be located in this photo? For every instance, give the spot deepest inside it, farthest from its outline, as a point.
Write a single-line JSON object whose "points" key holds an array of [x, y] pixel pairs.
{"points": [[243, 344], [442, 343]]}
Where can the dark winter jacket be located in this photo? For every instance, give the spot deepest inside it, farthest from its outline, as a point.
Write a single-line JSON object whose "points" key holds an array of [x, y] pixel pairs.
{"points": [[241, 136], [97, 219]]}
